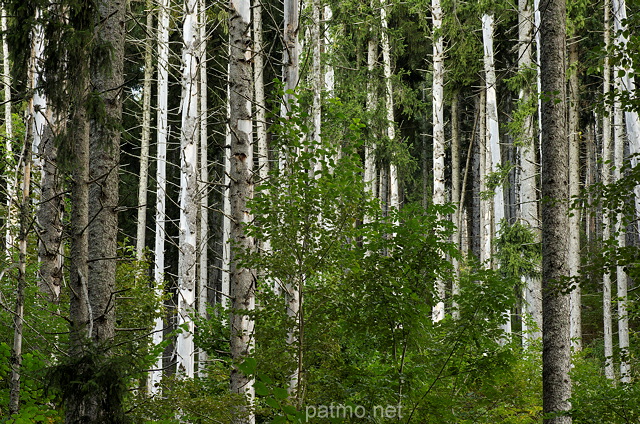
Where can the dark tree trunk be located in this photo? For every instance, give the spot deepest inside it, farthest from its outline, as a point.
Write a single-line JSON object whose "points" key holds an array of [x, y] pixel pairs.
{"points": [[556, 354]]}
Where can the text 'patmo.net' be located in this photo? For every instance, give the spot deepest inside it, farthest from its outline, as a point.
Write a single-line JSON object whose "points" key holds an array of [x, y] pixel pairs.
{"points": [[341, 411]]}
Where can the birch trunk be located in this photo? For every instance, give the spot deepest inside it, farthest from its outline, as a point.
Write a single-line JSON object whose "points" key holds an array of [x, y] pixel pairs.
{"points": [[529, 171], [606, 180], [437, 314], [624, 83], [10, 221], [556, 350], [455, 198], [494, 139], [204, 179], [574, 192], [291, 76], [394, 185], [627, 82], [485, 206], [260, 104], [141, 223], [242, 280], [369, 149], [620, 231], [154, 377], [329, 72], [188, 190]]}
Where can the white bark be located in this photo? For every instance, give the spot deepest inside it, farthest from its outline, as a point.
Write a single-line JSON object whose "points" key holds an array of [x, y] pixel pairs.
{"points": [[10, 221], [260, 104], [329, 72], [620, 231], [141, 227], [291, 75], [242, 280], [188, 191], [437, 314], [626, 84], [606, 179], [528, 172], [161, 182], [369, 158], [485, 206], [574, 192], [203, 250], [394, 185], [493, 135]]}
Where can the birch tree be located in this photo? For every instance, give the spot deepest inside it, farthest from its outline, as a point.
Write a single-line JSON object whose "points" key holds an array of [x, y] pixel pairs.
{"points": [[10, 220], [574, 192], [394, 185], [155, 375], [556, 349], [369, 149], [438, 133], [141, 223], [624, 82], [188, 190], [606, 179], [203, 189], [242, 280], [493, 135], [528, 164]]}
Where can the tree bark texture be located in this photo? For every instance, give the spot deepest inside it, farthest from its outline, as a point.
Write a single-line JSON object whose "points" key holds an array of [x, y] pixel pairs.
{"points": [[574, 192], [188, 191], [155, 375], [529, 170], [242, 280], [438, 136], [556, 354]]}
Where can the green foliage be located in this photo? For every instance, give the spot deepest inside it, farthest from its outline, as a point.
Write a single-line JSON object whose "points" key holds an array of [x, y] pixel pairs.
{"points": [[596, 399], [495, 179], [35, 404], [518, 252]]}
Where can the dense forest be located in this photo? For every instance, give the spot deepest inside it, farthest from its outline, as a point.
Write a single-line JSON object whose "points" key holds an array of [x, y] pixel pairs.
{"points": [[418, 211]]}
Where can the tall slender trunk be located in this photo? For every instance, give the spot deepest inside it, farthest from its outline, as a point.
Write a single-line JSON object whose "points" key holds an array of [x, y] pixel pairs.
{"points": [[437, 314], [80, 316], [188, 190], [556, 343], [329, 72], [494, 141], [141, 223], [260, 104], [162, 125], [574, 192], [627, 82], [369, 148], [624, 82], [10, 220], [394, 185], [242, 280], [203, 189], [104, 162], [606, 180], [18, 315], [528, 165], [485, 206], [455, 197], [291, 76], [50, 209], [620, 231]]}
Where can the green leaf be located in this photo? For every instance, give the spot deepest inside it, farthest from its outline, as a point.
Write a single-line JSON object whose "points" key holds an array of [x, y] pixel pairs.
{"points": [[280, 393], [272, 403], [261, 389]]}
